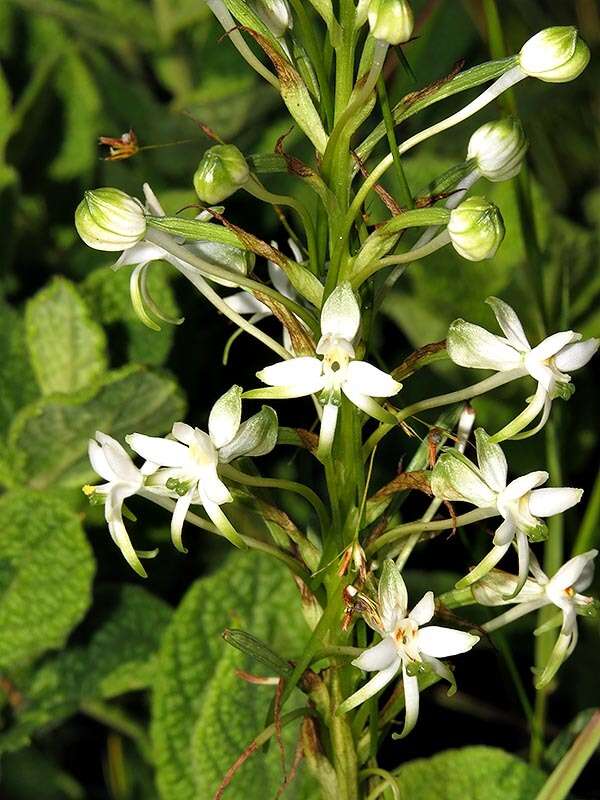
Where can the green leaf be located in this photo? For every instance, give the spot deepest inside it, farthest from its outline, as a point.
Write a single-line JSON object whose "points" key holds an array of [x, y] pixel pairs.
{"points": [[107, 293], [204, 716], [48, 439], [46, 570], [121, 656], [66, 346], [16, 377], [471, 773]]}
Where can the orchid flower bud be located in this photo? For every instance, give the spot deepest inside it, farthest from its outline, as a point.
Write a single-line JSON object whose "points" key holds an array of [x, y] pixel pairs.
{"points": [[221, 172], [109, 219], [476, 229], [555, 55], [276, 15], [391, 21], [499, 148]]}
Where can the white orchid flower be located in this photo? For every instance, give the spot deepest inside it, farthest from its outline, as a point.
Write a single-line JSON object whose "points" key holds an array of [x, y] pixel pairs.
{"points": [[123, 479], [472, 346], [408, 644], [189, 460], [520, 502], [563, 590], [336, 372]]}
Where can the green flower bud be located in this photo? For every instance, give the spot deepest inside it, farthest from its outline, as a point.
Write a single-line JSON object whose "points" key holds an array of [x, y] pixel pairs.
{"points": [[499, 148], [109, 219], [221, 172], [556, 55], [275, 14], [476, 229], [391, 21]]}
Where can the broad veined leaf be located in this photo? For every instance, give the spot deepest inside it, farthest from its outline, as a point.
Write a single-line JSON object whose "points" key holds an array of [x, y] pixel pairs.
{"points": [[121, 656], [66, 345], [204, 715], [471, 773], [16, 377], [48, 439], [46, 570]]}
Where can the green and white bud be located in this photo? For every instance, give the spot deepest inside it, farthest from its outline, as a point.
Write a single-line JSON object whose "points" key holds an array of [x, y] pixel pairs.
{"points": [[221, 172], [476, 229], [498, 148], [276, 15], [109, 219], [555, 55], [391, 21]]}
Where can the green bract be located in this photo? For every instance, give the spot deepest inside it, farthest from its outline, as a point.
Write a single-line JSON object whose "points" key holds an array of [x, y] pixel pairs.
{"points": [[221, 172]]}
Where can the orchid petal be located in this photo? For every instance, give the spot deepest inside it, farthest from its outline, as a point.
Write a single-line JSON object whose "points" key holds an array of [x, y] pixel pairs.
{"points": [[553, 344], [165, 452], [411, 702], [578, 573], [376, 684], [303, 373], [182, 507], [225, 417], [367, 404], [183, 432], [509, 323], [520, 486], [246, 303], [551, 501], [392, 595], [441, 642], [424, 610], [576, 355], [491, 460], [505, 533], [340, 315], [98, 461], [118, 459], [379, 657], [470, 345], [370, 381]]}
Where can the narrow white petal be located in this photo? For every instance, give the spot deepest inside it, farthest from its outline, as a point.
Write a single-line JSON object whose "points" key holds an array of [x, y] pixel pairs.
{"points": [[520, 486], [367, 404], [509, 323], [371, 381], [576, 355], [548, 502], [118, 459], [411, 701], [572, 572], [225, 417], [165, 452], [376, 684], [505, 533], [213, 487], [523, 556], [304, 372], [183, 433], [424, 610], [340, 315], [554, 344], [492, 461], [472, 346], [540, 372], [379, 657], [280, 280], [179, 513], [152, 203], [140, 253], [99, 462], [441, 642], [327, 430]]}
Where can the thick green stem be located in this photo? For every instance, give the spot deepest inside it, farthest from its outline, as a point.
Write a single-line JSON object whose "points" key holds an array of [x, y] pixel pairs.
{"points": [[571, 765]]}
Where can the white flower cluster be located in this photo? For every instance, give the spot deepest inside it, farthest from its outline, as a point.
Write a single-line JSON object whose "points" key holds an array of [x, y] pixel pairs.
{"points": [[182, 469]]}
